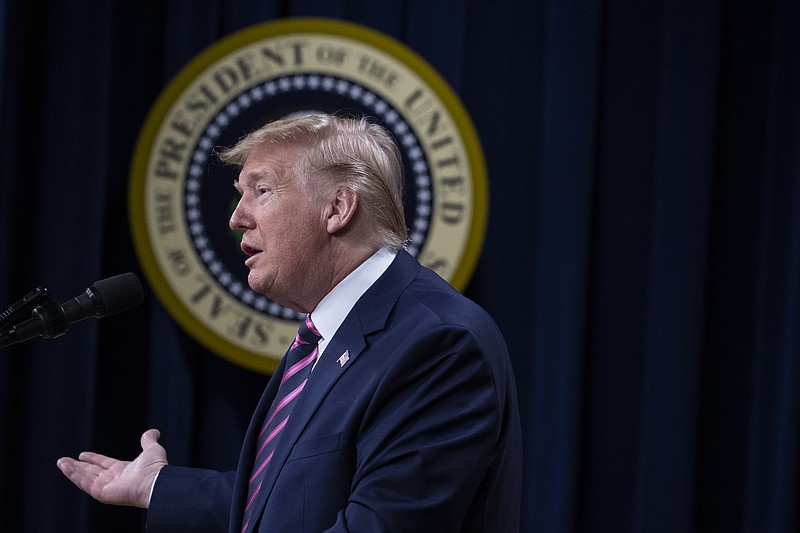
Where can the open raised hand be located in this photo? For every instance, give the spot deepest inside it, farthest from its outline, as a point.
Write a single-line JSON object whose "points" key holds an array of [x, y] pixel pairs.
{"points": [[116, 482]]}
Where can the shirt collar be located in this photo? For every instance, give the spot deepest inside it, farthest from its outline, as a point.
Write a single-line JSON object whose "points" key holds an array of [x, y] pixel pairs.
{"points": [[335, 306]]}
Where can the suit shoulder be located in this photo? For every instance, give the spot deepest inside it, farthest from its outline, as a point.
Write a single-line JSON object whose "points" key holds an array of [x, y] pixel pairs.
{"points": [[440, 298]]}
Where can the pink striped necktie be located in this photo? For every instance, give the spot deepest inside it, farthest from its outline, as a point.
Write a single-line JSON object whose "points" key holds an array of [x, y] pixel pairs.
{"points": [[299, 360]]}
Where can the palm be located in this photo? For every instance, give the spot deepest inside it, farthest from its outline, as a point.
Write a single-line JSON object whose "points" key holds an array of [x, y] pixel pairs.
{"points": [[118, 482]]}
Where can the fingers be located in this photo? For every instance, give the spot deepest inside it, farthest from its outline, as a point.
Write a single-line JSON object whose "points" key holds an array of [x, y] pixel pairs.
{"points": [[81, 474], [97, 459], [66, 464], [76, 469]]}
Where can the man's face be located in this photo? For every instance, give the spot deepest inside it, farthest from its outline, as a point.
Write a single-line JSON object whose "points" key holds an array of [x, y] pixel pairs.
{"points": [[283, 226]]}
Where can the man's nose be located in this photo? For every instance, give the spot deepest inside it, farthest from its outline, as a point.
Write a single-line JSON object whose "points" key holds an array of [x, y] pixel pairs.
{"points": [[238, 218]]}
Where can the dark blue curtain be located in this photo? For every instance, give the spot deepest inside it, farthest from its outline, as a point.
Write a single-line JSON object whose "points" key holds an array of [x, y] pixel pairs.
{"points": [[642, 254]]}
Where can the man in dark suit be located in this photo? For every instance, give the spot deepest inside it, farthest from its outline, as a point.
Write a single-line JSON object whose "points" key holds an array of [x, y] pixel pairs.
{"points": [[395, 410]]}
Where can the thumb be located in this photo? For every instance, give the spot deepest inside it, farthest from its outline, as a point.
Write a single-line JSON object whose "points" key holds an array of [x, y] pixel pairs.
{"points": [[150, 438]]}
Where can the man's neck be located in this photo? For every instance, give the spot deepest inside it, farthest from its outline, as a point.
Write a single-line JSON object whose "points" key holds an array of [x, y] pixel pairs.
{"points": [[334, 267]]}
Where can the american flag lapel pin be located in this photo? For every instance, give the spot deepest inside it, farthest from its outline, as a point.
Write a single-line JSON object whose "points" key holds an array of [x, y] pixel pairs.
{"points": [[345, 357]]}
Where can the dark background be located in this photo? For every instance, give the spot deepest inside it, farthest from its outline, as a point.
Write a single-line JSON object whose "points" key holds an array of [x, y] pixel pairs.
{"points": [[642, 254]]}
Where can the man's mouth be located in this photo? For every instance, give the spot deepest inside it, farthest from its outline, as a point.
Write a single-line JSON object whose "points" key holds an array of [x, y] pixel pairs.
{"points": [[250, 251]]}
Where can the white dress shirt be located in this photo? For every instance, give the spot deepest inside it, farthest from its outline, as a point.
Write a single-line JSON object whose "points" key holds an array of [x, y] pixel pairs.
{"points": [[335, 306]]}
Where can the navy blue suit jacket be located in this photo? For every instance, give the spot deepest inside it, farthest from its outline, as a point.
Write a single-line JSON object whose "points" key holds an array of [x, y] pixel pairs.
{"points": [[419, 431]]}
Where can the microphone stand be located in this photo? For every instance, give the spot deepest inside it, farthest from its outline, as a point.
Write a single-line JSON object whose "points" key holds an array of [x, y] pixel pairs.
{"points": [[41, 305], [23, 306]]}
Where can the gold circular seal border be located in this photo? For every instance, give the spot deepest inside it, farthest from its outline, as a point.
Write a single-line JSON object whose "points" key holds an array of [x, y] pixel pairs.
{"points": [[171, 95]]}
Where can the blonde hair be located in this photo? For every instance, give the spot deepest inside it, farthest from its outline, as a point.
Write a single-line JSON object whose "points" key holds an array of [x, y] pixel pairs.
{"points": [[335, 151]]}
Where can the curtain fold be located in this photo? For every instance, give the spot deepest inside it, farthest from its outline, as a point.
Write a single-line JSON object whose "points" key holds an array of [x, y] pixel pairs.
{"points": [[676, 293], [563, 214], [773, 484]]}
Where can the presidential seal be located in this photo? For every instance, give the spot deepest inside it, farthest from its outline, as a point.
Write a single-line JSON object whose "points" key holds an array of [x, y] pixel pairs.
{"points": [[181, 196]]}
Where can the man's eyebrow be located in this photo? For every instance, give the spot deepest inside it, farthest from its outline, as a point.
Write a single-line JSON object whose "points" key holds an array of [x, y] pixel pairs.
{"points": [[253, 175]]}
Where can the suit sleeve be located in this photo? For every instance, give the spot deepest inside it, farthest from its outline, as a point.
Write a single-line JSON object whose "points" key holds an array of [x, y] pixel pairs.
{"points": [[190, 499], [427, 439]]}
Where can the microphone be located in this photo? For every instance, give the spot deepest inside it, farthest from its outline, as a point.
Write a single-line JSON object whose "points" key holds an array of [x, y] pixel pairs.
{"points": [[106, 297]]}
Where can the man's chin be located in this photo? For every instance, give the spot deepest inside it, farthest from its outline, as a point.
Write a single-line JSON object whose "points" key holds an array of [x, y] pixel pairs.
{"points": [[257, 284]]}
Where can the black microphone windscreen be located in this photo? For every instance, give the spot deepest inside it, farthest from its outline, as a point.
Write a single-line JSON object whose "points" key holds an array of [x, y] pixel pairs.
{"points": [[119, 293]]}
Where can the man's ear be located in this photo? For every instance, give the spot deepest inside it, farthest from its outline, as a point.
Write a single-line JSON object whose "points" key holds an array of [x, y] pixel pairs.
{"points": [[342, 209]]}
